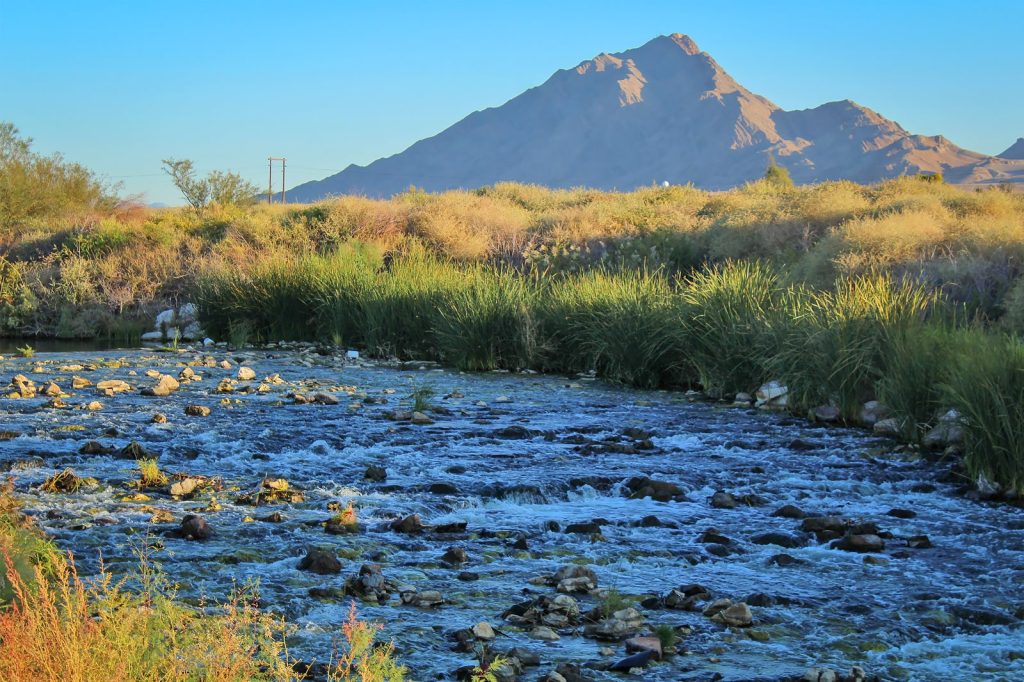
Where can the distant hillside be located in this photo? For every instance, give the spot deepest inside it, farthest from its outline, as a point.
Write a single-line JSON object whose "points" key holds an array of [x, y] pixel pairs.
{"points": [[1015, 150], [664, 111]]}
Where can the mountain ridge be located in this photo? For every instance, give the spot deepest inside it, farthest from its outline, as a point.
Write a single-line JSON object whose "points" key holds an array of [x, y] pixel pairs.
{"points": [[663, 111]]}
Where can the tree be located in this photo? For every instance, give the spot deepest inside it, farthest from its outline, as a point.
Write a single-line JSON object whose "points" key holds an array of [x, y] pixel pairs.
{"points": [[218, 187], [231, 188], [183, 174], [37, 187], [777, 175]]}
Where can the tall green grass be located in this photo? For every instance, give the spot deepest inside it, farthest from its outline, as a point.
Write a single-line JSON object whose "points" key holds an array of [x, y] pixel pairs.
{"points": [[986, 385], [918, 366], [274, 299], [340, 284], [401, 306], [625, 326], [487, 322], [727, 327], [727, 323], [834, 347]]}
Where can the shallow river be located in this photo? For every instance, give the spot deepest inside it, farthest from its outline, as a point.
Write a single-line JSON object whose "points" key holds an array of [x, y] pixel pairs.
{"points": [[942, 612]]}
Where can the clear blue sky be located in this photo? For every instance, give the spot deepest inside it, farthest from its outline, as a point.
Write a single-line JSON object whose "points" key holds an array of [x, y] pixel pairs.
{"points": [[118, 86]]}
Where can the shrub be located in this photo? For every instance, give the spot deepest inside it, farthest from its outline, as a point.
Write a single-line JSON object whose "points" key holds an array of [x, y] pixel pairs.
{"points": [[17, 301], [34, 187], [777, 175]]}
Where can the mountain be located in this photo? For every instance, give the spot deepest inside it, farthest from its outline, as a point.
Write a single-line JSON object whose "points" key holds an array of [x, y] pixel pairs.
{"points": [[1015, 150], [664, 111]]}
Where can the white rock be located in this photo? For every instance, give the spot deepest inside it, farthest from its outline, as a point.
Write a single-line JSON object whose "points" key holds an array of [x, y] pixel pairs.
{"points": [[188, 311], [153, 336], [352, 355], [165, 318], [192, 332], [483, 630], [772, 394]]}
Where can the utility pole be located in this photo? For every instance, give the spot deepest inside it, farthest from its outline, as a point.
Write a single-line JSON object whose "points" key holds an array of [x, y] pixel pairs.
{"points": [[270, 178]]}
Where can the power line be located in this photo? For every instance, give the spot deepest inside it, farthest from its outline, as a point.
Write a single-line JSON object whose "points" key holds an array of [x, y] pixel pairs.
{"points": [[270, 179]]}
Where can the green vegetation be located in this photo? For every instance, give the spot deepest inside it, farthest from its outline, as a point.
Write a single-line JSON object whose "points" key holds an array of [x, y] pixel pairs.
{"points": [[613, 601], [150, 475], [217, 187], [844, 292], [667, 635], [727, 328], [986, 385], [421, 398]]}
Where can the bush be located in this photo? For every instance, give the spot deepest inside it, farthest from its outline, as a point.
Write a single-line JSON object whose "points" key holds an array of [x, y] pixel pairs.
{"points": [[37, 188]]}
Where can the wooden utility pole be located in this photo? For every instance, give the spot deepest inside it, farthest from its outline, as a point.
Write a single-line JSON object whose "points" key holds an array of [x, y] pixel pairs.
{"points": [[270, 179]]}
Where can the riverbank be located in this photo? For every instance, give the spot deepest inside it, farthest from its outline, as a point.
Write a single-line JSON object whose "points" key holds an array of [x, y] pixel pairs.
{"points": [[502, 482], [873, 350]]}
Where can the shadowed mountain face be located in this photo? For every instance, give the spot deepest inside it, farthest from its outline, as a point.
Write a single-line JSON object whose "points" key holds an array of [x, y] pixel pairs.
{"points": [[664, 111], [1015, 151]]}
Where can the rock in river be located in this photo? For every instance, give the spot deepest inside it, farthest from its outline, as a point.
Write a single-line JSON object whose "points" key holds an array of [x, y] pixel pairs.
{"points": [[867, 542], [195, 528], [320, 561]]}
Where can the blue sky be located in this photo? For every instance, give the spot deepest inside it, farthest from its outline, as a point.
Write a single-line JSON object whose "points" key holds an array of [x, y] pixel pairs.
{"points": [[118, 86]]}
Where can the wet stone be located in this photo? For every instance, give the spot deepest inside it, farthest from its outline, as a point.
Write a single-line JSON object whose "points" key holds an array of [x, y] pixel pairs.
{"points": [[860, 543], [320, 561], [375, 473], [195, 528], [410, 525]]}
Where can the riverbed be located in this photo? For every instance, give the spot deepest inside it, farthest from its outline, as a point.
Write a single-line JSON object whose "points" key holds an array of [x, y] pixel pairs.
{"points": [[519, 459]]}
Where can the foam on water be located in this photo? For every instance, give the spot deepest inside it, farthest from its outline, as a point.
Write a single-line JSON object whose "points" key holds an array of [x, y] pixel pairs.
{"points": [[898, 619]]}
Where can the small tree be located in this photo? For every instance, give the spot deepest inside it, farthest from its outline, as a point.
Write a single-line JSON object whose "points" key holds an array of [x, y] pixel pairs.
{"points": [[183, 174], [218, 187], [231, 188], [777, 175], [38, 187]]}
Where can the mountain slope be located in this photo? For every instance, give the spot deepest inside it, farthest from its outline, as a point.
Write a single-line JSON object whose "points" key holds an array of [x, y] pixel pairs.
{"points": [[1015, 150], [664, 111]]}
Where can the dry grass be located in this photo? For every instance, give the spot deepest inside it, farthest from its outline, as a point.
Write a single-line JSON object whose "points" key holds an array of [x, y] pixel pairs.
{"points": [[82, 277], [58, 627]]}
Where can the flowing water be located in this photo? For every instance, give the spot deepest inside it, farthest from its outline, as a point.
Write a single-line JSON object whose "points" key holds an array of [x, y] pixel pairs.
{"points": [[940, 612]]}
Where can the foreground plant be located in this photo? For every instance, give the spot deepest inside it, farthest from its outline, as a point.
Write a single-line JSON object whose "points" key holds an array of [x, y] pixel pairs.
{"points": [[57, 627], [986, 386], [361, 657]]}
